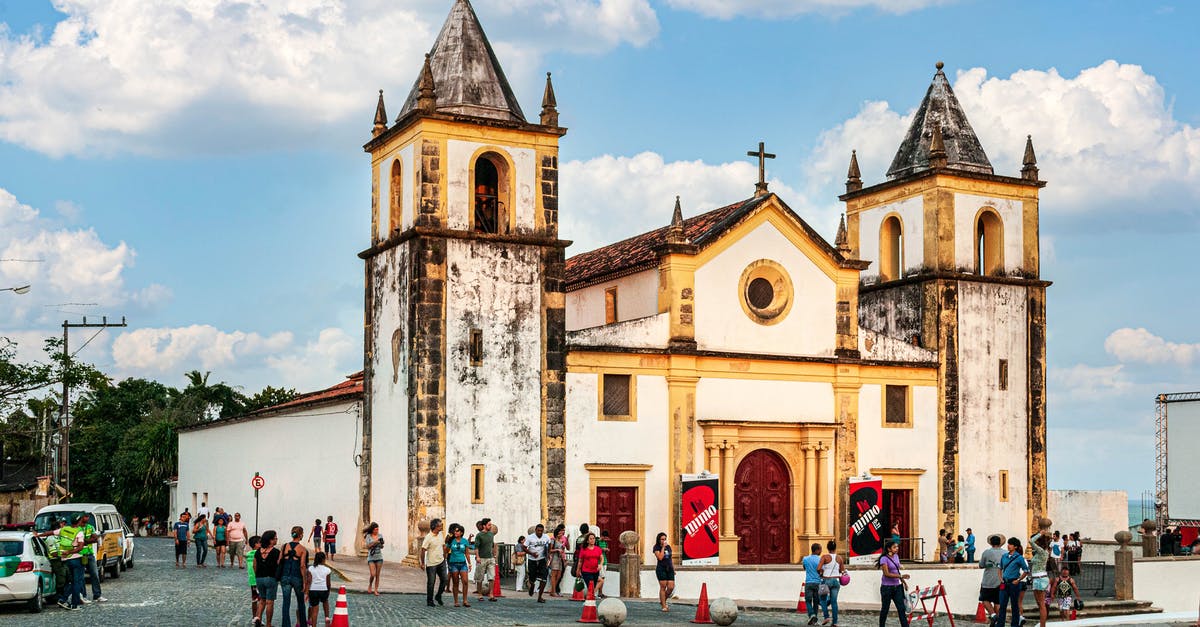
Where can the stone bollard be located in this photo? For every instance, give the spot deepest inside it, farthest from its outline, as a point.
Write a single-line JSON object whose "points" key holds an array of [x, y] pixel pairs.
{"points": [[631, 566], [1123, 566], [1149, 539]]}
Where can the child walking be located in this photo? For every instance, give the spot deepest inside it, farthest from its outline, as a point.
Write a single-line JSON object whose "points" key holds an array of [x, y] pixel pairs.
{"points": [[250, 576], [318, 588], [1063, 593]]}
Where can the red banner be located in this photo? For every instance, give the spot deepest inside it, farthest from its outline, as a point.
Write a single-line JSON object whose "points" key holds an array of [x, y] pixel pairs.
{"points": [[700, 517], [866, 520]]}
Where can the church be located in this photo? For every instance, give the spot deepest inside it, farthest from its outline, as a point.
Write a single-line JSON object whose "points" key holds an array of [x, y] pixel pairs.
{"points": [[505, 377]]}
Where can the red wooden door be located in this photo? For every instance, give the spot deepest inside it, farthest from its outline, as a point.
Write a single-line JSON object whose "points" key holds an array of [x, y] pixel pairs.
{"points": [[762, 509], [616, 512], [897, 510]]}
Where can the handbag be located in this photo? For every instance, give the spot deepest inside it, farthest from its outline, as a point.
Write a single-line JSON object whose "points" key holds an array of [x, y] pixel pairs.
{"points": [[518, 559], [1078, 603], [823, 590], [844, 579]]}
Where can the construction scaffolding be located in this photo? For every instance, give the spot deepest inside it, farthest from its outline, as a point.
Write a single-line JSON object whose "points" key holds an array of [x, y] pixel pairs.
{"points": [[1162, 401]]}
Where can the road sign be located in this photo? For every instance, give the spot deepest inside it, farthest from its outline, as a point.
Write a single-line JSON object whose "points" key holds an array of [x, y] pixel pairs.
{"points": [[258, 482]]}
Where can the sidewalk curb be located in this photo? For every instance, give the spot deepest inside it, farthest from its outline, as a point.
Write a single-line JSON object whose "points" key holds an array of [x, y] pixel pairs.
{"points": [[339, 572]]}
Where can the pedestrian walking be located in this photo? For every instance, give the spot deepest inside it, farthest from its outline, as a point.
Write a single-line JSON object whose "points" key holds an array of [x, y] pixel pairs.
{"points": [[518, 562], [580, 540], [91, 541], [200, 538], [458, 552], [316, 584], [558, 551], [603, 544], [664, 569], [812, 581], [292, 565], [331, 530], [249, 557], [266, 569], [431, 557], [832, 570], [537, 548], [220, 540], [236, 532], [182, 531], [892, 584], [1074, 549], [1039, 575], [485, 559], [989, 584], [70, 547], [203, 511], [373, 540], [970, 546], [1063, 593], [1057, 544], [1013, 572], [590, 557], [317, 535]]}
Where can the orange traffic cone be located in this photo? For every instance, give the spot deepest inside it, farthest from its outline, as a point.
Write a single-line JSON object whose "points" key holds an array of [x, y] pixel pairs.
{"points": [[702, 607], [577, 595], [589, 609], [496, 594], [981, 615], [341, 613], [801, 607], [1074, 614]]}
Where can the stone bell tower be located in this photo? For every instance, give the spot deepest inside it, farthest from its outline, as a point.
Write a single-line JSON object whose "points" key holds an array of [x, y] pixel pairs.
{"points": [[465, 353], [955, 268]]}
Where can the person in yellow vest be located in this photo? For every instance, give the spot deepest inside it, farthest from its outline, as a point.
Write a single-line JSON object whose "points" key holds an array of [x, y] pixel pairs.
{"points": [[56, 563], [91, 541], [70, 547]]}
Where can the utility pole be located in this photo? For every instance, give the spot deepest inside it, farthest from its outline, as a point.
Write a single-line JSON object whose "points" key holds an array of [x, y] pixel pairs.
{"points": [[64, 424]]}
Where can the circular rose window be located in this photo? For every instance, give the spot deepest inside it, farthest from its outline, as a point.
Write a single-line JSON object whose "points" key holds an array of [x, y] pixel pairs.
{"points": [[766, 292]]}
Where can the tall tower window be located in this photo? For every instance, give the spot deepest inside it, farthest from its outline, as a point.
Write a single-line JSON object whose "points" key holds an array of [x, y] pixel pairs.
{"points": [[396, 202], [891, 249], [610, 305], [989, 244], [491, 194]]}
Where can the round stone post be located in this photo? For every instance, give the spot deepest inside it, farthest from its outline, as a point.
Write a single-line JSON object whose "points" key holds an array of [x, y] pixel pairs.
{"points": [[1149, 539], [631, 566], [1123, 566]]}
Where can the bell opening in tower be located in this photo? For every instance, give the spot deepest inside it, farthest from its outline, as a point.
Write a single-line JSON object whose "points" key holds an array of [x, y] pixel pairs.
{"points": [[488, 205]]}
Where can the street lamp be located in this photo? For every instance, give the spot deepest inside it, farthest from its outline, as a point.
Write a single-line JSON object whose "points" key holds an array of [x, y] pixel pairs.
{"points": [[24, 289]]}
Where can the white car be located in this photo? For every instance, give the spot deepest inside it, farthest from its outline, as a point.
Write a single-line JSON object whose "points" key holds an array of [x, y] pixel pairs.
{"points": [[25, 572]]}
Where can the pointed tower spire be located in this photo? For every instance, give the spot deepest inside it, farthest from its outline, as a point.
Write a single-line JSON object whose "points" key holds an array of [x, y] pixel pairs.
{"points": [[549, 105], [380, 117], [675, 233], [937, 149], [1029, 169], [940, 108], [426, 91], [853, 176], [842, 241]]}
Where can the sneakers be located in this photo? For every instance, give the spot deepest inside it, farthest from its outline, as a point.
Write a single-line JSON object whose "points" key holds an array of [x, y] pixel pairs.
{"points": [[100, 599], [812, 620], [63, 604], [85, 600]]}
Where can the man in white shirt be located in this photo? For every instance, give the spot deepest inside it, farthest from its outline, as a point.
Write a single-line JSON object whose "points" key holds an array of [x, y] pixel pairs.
{"points": [[203, 511], [432, 558], [536, 547]]}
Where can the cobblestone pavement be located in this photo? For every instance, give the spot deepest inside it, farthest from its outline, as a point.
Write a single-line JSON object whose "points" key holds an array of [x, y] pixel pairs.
{"points": [[155, 593]]}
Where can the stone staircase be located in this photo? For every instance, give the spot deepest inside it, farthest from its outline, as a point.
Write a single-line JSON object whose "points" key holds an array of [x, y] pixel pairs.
{"points": [[1094, 608]]}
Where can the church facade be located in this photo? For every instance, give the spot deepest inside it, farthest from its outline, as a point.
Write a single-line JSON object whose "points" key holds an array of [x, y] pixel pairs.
{"points": [[503, 379]]}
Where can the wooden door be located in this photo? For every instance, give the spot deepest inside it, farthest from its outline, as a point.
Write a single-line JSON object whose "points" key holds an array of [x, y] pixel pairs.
{"points": [[762, 509], [897, 508], [616, 512]]}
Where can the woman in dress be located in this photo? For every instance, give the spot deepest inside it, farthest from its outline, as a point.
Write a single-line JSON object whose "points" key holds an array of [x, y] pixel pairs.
{"points": [[558, 549], [373, 540], [891, 584], [664, 570], [832, 568], [200, 539], [458, 555]]}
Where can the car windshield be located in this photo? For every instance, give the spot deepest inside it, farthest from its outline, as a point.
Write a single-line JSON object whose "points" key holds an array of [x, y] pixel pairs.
{"points": [[9, 548], [48, 521]]}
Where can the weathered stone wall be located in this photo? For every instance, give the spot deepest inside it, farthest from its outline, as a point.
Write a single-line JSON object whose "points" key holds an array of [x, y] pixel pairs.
{"points": [[893, 311]]}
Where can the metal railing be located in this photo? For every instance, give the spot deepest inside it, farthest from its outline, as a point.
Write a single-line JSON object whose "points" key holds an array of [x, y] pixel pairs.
{"points": [[1091, 577], [912, 549]]}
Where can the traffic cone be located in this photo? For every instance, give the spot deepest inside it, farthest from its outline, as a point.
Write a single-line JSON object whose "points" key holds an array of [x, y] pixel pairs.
{"points": [[981, 615], [702, 607], [1074, 614], [589, 609], [496, 594], [341, 613], [801, 607], [577, 595]]}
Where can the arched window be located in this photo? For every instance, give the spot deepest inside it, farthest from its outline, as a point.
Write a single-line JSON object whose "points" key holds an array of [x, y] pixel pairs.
{"points": [[491, 194], [891, 249], [396, 202], [989, 244]]}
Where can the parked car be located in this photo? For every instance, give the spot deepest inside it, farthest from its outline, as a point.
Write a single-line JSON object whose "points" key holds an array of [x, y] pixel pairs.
{"points": [[25, 572], [127, 547], [110, 553]]}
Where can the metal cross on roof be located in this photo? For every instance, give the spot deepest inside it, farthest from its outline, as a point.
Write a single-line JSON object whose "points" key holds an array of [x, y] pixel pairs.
{"points": [[760, 188]]}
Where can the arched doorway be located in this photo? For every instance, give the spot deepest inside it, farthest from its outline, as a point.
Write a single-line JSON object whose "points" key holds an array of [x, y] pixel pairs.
{"points": [[762, 509]]}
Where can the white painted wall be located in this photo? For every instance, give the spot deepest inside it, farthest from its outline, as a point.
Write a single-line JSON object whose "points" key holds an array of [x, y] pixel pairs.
{"points": [[458, 164], [493, 411], [637, 297], [893, 447], [305, 455], [593, 441], [649, 332], [1094, 514], [912, 220], [764, 401], [992, 423], [721, 323], [389, 403], [1170, 582], [966, 206], [409, 178]]}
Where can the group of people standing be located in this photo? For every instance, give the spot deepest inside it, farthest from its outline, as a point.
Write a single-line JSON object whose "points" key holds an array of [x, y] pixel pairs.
{"points": [[448, 556], [272, 568], [824, 575], [1008, 574], [224, 532], [72, 548]]}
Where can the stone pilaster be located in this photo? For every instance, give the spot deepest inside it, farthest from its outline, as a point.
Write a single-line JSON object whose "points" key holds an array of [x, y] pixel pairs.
{"points": [[1037, 399], [948, 404], [549, 181], [554, 384], [430, 212]]}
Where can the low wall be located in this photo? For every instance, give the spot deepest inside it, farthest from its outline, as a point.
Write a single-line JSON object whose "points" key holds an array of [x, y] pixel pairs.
{"points": [[1170, 582], [1096, 514], [1099, 551]]}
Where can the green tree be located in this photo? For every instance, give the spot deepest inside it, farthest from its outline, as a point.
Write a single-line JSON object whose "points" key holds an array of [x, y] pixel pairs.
{"points": [[269, 397]]}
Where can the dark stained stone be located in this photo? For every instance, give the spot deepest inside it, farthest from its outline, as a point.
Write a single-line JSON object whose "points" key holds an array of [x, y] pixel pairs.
{"points": [[940, 108]]}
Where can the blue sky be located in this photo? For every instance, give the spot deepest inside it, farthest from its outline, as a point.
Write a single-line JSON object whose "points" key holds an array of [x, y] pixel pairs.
{"points": [[200, 170]]}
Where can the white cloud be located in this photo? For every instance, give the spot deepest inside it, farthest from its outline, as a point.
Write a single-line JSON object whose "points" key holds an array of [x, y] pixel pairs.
{"points": [[1141, 346], [612, 198], [726, 9], [319, 363], [1102, 137], [217, 76], [1083, 381]]}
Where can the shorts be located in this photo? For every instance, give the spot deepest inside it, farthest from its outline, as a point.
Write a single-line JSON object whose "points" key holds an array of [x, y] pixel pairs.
{"points": [[181, 549], [316, 597], [1066, 604], [267, 588], [217, 543], [989, 595], [485, 567], [664, 574], [1041, 584], [458, 567], [536, 570], [589, 578], [237, 547], [254, 592], [330, 547]]}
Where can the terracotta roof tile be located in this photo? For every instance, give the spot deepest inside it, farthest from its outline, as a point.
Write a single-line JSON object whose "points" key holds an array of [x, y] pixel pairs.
{"points": [[352, 386]]}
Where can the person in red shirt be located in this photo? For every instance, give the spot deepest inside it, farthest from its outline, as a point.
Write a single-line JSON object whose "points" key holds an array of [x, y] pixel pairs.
{"points": [[590, 557], [331, 530]]}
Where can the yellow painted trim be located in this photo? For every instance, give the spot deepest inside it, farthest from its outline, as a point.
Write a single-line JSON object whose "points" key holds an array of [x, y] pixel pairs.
{"points": [[905, 479], [781, 284], [619, 476], [580, 360], [677, 294], [1004, 487], [600, 415], [908, 410], [979, 264], [899, 258], [509, 174], [898, 471], [477, 482], [770, 212], [468, 131], [395, 213], [946, 181]]}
